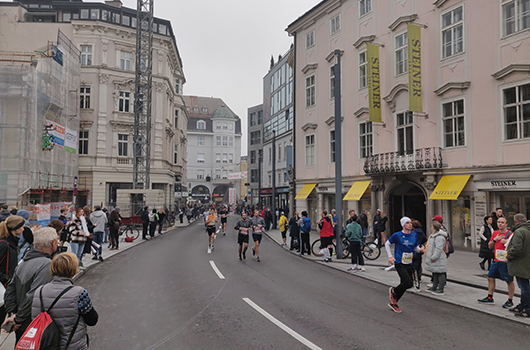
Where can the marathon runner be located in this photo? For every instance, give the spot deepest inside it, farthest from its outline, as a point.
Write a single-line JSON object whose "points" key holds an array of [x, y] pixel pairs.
{"points": [[243, 226], [224, 213], [211, 220], [257, 224]]}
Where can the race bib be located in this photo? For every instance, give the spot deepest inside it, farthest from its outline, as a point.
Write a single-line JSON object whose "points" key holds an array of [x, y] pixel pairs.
{"points": [[223, 216], [243, 230], [257, 230], [501, 255], [406, 258]]}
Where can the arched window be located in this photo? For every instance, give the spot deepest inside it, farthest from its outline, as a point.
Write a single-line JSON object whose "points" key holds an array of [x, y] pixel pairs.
{"points": [[201, 125]]}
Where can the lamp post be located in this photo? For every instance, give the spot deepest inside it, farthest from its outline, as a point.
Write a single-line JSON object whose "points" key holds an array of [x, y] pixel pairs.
{"points": [[259, 178], [338, 154], [274, 179]]}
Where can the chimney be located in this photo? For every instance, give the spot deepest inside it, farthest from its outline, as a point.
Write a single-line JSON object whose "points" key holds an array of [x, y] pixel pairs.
{"points": [[115, 3]]}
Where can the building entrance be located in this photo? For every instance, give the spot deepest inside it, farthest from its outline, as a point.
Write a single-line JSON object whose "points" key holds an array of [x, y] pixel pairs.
{"points": [[407, 200]]}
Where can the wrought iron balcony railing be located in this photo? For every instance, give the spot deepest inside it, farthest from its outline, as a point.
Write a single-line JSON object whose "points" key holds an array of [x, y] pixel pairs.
{"points": [[392, 162]]}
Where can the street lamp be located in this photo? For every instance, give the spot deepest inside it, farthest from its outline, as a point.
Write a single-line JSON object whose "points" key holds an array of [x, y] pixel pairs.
{"points": [[274, 179], [338, 153]]}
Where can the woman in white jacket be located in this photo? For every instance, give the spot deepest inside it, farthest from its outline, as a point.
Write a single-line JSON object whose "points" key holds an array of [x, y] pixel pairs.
{"points": [[436, 260]]}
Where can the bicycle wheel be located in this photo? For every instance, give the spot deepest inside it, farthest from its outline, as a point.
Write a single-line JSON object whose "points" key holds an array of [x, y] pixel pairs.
{"points": [[345, 249], [371, 251], [315, 248], [132, 231]]}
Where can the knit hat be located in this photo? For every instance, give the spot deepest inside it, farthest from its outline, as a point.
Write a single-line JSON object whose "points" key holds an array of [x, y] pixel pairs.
{"points": [[117, 208], [24, 213], [438, 218], [404, 220]]}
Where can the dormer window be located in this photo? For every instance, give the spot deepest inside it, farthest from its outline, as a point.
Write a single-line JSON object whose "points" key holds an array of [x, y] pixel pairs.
{"points": [[201, 125]]}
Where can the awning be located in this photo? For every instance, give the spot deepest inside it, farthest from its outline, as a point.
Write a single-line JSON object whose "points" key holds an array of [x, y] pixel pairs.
{"points": [[305, 191], [356, 191], [449, 187]]}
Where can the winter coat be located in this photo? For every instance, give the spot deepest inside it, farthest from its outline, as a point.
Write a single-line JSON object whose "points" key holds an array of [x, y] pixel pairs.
{"points": [[363, 221], [422, 239], [485, 252], [4, 214], [99, 219], [436, 252], [75, 232], [8, 258], [294, 229], [354, 232], [519, 252], [283, 223]]}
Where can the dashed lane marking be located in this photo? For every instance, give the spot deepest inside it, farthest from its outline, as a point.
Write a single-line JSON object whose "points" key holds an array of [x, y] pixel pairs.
{"points": [[216, 270]]}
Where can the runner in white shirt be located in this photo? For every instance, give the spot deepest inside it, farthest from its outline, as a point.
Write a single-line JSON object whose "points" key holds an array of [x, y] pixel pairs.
{"points": [[257, 224]]}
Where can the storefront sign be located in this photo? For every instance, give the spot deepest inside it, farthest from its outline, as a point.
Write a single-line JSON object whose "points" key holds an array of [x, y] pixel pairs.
{"points": [[500, 184], [374, 83], [414, 52], [480, 210]]}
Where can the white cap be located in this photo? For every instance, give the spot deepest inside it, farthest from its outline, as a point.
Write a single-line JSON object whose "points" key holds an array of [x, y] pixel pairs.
{"points": [[404, 220]]}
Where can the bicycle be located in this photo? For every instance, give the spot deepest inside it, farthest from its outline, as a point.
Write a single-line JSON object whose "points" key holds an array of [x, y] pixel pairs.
{"points": [[130, 230], [315, 248], [370, 250]]}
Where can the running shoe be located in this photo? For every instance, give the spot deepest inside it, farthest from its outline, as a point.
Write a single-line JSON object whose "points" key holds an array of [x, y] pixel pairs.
{"points": [[257, 259], [507, 305], [486, 300], [438, 292], [522, 314], [353, 268], [393, 300], [253, 251], [395, 308], [432, 289], [362, 268], [516, 308], [212, 247]]}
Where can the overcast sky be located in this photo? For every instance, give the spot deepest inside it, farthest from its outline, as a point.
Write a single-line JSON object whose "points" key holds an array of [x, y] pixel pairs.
{"points": [[226, 45]]}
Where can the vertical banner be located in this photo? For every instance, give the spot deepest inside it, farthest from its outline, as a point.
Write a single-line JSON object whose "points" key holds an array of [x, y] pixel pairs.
{"points": [[57, 131], [414, 51], [232, 197], [70, 140], [374, 82]]}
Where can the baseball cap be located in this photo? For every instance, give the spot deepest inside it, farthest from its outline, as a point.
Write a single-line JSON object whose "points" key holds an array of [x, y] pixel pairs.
{"points": [[438, 218]]}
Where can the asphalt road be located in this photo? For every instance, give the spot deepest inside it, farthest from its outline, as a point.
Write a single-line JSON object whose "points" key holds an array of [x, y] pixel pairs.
{"points": [[165, 294]]}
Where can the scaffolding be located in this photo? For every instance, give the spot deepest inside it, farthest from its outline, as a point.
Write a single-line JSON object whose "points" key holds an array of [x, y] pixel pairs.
{"points": [[39, 123]]}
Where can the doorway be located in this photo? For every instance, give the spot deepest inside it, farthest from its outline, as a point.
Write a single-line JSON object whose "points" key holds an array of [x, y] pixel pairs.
{"points": [[407, 200]]}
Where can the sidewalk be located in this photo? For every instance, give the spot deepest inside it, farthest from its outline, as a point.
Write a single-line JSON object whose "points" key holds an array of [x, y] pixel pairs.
{"points": [[466, 280]]}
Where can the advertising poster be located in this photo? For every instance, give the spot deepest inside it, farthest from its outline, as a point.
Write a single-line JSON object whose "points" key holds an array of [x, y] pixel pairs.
{"points": [[57, 131], [70, 141]]}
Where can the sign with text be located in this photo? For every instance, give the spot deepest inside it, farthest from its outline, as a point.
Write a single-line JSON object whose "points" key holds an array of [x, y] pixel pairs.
{"points": [[414, 51], [374, 83], [70, 140], [57, 131]]}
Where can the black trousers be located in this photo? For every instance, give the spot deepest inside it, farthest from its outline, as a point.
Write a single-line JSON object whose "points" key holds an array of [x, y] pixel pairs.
{"points": [[356, 255], [405, 273], [145, 228], [305, 246]]}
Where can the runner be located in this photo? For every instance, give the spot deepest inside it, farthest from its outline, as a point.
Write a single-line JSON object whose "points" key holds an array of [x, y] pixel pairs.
{"points": [[211, 220], [405, 244], [257, 224], [224, 213], [243, 226]]}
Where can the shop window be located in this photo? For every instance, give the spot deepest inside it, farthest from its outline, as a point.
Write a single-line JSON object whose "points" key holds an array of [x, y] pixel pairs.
{"points": [[460, 229]]}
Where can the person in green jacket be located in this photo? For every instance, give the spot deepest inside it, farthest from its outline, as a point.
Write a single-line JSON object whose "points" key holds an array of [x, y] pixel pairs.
{"points": [[518, 256], [354, 234]]}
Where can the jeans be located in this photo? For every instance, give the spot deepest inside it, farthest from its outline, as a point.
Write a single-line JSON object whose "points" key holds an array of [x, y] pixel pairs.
{"points": [[356, 255], [98, 238], [152, 229], [106, 236], [439, 280], [405, 273], [77, 249], [524, 285]]}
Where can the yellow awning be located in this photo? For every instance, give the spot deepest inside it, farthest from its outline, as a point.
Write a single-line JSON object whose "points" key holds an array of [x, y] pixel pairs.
{"points": [[449, 187], [305, 191], [356, 191]]}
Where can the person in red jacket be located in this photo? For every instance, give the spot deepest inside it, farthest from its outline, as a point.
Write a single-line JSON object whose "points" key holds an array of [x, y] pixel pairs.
{"points": [[326, 235]]}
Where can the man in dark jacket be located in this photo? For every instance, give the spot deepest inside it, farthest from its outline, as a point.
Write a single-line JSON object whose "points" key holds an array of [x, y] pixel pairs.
{"points": [[4, 214], [32, 273], [363, 221], [519, 262], [145, 222]]}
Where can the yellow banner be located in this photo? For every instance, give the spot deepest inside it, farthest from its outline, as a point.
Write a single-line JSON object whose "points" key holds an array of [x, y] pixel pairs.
{"points": [[449, 187], [374, 82], [356, 191], [414, 51]]}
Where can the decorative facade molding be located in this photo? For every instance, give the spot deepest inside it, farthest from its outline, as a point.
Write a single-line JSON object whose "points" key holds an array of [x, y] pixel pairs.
{"points": [[85, 124], [331, 120], [307, 126], [103, 78], [401, 20], [391, 97], [120, 125], [308, 67], [332, 55], [364, 39], [169, 132], [439, 3], [452, 85], [361, 111], [510, 69]]}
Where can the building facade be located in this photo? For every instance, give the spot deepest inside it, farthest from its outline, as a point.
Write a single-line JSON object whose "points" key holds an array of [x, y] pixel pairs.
{"points": [[214, 149], [474, 121], [255, 151]]}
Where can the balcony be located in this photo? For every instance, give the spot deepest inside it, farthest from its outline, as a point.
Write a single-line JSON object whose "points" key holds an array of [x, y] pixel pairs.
{"points": [[396, 162]]}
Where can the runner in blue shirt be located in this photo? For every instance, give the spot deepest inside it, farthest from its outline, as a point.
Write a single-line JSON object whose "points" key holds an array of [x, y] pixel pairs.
{"points": [[405, 243]]}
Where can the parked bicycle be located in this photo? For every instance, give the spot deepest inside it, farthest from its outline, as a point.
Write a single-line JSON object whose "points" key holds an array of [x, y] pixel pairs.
{"points": [[370, 250], [130, 230]]}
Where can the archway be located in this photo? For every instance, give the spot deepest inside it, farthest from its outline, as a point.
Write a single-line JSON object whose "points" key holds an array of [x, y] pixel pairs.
{"points": [[200, 193], [407, 200]]}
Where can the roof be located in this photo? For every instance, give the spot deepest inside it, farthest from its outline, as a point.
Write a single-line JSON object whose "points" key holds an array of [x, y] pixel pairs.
{"points": [[206, 108], [305, 14]]}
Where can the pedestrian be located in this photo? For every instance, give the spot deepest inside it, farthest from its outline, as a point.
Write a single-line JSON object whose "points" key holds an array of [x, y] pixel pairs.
{"points": [[73, 310], [326, 235], [485, 235], [62, 217], [351, 214], [499, 267], [224, 213], [181, 214], [436, 259], [78, 234], [382, 227], [153, 221], [268, 219], [294, 232], [363, 221], [88, 248], [9, 230], [496, 215], [354, 234], [145, 223], [161, 217], [519, 262], [405, 243], [114, 228], [257, 224], [25, 240], [13, 210], [32, 273], [283, 228], [305, 228], [4, 213], [99, 219], [376, 226], [243, 228], [106, 232], [417, 257], [211, 221]]}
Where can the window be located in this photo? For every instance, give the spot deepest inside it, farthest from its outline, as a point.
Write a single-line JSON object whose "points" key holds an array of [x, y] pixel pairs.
{"points": [[204, 110], [230, 141], [85, 14], [162, 29], [225, 140], [67, 16], [252, 118], [285, 150], [225, 126], [310, 39], [335, 24], [453, 121], [218, 126], [225, 174], [201, 125], [515, 16], [310, 91], [452, 32], [255, 137], [405, 130], [218, 140], [365, 6], [200, 157], [217, 174], [279, 152], [332, 81], [401, 53], [363, 82], [365, 139], [254, 176], [176, 118], [84, 97], [200, 140], [94, 14], [516, 106], [270, 155], [332, 145], [175, 154], [125, 60], [218, 157], [126, 20], [230, 126], [200, 174], [86, 55], [252, 157], [116, 18], [195, 109], [225, 157], [230, 158], [310, 150], [270, 179], [177, 85], [83, 141], [124, 101], [260, 117], [123, 145]]}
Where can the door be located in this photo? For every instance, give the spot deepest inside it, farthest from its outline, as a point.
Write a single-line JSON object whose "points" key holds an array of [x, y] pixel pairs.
{"points": [[407, 200]]}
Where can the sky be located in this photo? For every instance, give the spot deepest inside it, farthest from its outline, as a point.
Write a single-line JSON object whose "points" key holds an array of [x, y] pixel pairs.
{"points": [[226, 45]]}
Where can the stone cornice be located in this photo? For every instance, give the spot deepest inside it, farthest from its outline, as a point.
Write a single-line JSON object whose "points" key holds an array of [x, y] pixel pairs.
{"points": [[332, 55], [307, 126], [401, 20], [391, 97], [309, 18], [331, 120], [439, 3], [85, 124], [452, 85], [364, 39], [512, 68], [309, 66], [120, 125], [361, 111]]}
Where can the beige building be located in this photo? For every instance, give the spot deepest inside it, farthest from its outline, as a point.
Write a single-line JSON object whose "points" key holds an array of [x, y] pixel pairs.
{"points": [[105, 34]]}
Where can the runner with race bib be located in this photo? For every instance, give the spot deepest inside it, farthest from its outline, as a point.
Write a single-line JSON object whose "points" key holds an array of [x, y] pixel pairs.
{"points": [[243, 226], [257, 224]]}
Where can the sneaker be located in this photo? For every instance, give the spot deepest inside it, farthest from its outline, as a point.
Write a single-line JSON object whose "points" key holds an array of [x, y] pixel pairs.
{"points": [[283, 244], [352, 268], [94, 257], [415, 290], [209, 246], [82, 268], [516, 308], [212, 247], [393, 300], [362, 268], [395, 308], [438, 292], [486, 300], [429, 285], [257, 259], [100, 258], [507, 305], [522, 314], [253, 251], [432, 289]]}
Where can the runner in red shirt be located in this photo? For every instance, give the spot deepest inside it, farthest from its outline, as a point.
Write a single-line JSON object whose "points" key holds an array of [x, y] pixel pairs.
{"points": [[326, 235]]}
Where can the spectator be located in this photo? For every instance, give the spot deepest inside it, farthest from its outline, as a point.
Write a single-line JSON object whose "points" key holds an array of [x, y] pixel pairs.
{"points": [[485, 235], [161, 217], [4, 213], [114, 228], [352, 214], [62, 217], [153, 221], [496, 215], [519, 262], [417, 257], [87, 249], [283, 228], [376, 223], [294, 232], [78, 234], [106, 235], [363, 221], [326, 235], [305, 228], [354, 234], [58, 226], [13, 210], [26, 238], [145, 223], [436, 260], [99, 219]]}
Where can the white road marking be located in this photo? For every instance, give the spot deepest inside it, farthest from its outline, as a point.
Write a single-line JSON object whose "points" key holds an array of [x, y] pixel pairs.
{"points": [[217, 270], [288, 330]]}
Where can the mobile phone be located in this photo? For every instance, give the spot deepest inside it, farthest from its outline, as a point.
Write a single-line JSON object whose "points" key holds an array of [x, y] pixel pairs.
{"points": [[8, 327]]}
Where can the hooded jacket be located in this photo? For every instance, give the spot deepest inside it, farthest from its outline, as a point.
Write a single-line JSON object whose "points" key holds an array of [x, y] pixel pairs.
{"points": [[99, 220], [8, 258], [519, 252], [4, 214], [436, 252]]}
